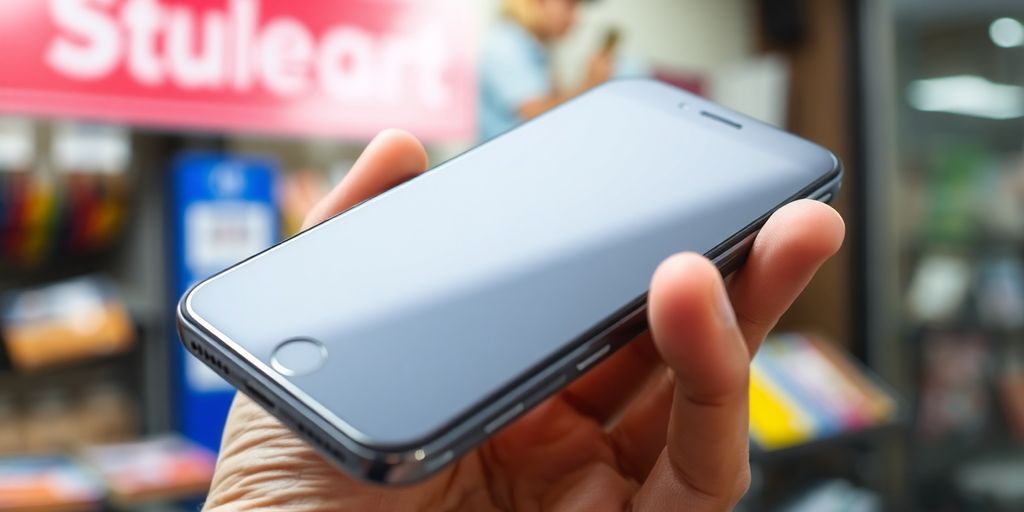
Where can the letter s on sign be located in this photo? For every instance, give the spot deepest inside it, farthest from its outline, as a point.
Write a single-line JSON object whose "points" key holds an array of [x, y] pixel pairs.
{"points": [[99, 49]]}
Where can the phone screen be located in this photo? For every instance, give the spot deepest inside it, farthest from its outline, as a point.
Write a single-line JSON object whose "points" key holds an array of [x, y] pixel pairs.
{"points": [[445, 290]]}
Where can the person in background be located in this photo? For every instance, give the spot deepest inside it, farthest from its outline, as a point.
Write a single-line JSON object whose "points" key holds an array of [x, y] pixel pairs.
{"points": [[516, 81]]}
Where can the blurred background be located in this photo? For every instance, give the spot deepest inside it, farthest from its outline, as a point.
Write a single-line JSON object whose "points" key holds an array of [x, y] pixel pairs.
{"points": [[145, 144]]}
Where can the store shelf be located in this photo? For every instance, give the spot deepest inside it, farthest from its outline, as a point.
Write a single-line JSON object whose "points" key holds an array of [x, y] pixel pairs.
{"points": [[850, 439]]}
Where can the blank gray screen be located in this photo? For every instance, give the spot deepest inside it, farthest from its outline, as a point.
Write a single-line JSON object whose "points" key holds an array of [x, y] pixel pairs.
{"points": [[448, 288]]}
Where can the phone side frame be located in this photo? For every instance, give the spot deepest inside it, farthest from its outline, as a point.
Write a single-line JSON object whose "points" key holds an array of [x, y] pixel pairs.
{"points": [[414, 463]]}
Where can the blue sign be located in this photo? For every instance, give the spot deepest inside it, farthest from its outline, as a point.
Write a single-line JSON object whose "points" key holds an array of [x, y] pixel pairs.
{"points": [[224, 210]]}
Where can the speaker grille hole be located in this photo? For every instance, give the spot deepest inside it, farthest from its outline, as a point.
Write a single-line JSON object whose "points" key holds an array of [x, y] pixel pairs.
{"points": [[720, 119], [209, 358], [315, 439]]}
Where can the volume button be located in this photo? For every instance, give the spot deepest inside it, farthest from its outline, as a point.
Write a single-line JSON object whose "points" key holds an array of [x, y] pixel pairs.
{"points": [[734, 256], [593, 358], [504, 418]]}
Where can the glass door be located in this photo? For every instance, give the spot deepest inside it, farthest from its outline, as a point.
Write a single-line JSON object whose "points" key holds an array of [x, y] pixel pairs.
{"points": [[944, 132]]}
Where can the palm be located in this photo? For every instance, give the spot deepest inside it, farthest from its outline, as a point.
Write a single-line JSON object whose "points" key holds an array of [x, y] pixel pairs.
{"points": [[554, 453]]}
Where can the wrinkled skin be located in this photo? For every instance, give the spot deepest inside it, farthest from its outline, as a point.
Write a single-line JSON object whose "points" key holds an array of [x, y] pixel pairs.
{"points": [[661, 425]]}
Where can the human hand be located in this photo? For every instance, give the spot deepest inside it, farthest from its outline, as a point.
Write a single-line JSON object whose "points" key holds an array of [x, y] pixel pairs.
{"points": [[661, 425], [599, 69]]}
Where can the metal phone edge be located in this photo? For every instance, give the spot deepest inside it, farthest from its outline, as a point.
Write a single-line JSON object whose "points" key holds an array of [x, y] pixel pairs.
{"points": [[319, 427]]}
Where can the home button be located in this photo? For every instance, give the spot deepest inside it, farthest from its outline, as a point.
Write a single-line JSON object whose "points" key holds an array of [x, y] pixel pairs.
{"points": [[298, 356]]}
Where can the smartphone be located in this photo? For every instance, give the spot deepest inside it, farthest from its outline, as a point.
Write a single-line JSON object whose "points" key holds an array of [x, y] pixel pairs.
{"points": [[399, 334], [611, 40]]}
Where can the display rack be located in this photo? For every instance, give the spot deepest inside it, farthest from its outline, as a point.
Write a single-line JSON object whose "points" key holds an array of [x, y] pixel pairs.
{"points": [[943, 247], [819, 422]]}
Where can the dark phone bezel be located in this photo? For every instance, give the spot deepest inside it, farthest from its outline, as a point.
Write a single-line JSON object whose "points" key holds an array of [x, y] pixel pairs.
{"points": [[415, 461], [410, 464]]}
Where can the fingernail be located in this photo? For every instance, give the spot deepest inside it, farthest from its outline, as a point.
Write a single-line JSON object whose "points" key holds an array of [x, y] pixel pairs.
{"points": [[725, 312]]}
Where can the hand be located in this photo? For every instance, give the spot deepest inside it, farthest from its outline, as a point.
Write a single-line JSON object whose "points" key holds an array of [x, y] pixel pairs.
{"points": [[661, 425], [599, 69]]}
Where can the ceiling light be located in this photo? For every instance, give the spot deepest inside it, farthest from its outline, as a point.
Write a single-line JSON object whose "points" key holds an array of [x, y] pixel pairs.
{"points": [[967, 95], [1006, 33]]}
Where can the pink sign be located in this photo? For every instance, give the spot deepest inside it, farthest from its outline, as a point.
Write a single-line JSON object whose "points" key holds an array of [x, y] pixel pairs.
{"points": [[338, 68]]}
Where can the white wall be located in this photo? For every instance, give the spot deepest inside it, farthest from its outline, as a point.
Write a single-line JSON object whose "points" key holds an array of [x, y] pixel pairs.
{"points": [[688, 35]]}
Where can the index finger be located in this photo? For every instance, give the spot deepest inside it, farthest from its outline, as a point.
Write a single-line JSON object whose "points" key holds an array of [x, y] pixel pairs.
{"points": [[790, 247], [788, 250]]}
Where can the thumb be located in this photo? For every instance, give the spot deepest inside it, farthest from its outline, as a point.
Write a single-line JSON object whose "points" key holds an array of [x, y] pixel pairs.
{"points": [[393, 156], [705, 463]]}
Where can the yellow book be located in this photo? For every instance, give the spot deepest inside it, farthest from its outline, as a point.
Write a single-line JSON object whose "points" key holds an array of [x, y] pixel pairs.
{"points": [[775, 419]]}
